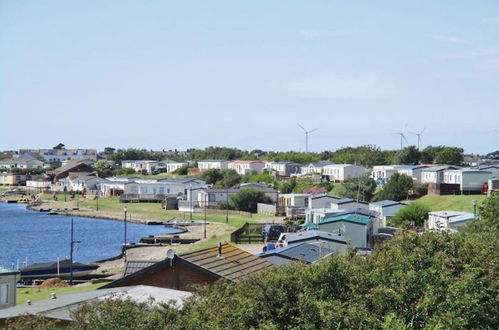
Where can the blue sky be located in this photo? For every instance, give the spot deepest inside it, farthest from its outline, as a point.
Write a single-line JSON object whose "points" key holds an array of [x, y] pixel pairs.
{"points": [[165, 75]]}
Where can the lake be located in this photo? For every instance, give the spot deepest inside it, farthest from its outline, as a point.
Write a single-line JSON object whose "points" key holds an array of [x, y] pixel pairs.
{"points": [[40, 237]]}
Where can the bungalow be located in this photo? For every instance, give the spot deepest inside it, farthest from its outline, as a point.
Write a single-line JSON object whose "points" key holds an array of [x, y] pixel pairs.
{"points": [[61, 155], [317, 215], [332, 241], [172, 166], [315, 168], [303, 252], [243, 167], [209, 164], [21, 163], [434, 177], [212, 196], [283, 169], [348, 203], [140, 165], [81, 181], [491, 168], [382, 173], [8, 285], [448, 220], [162, 187], [387, 209], [183, 272], [321, 200], [342, 172], [293, 205], [358, 230], [467, 180], [72, 166]]}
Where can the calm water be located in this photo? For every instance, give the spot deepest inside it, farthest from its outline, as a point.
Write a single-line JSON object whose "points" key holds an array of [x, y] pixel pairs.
{"points": [[41, 237]]}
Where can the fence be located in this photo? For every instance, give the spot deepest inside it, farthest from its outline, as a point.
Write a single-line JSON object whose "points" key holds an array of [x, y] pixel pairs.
{"points": [[249, 233], [267, 209]]}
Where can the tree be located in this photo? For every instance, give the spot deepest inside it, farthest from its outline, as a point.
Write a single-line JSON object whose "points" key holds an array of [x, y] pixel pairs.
{"points": [[109, 150], [212, 176], [248, 199], [409, 155], [413, 214], [429, 153], [287, 187], [60, 146], [183, 170], [450, 156], [397, 188], [103, 167], [362, 188], [230, 179]]}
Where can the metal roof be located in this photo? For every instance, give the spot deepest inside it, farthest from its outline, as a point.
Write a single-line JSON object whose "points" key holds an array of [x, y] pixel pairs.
{"points": [[133, 266], [386, 202], [355, 218], [313, 235], [306, 252], [7, 271], [360, 211]]}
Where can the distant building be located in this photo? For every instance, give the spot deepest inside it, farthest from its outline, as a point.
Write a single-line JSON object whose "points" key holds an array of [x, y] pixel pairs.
{"points": [[466, 180], [358, 230], [315, 168], [387, 209], [209, 164], [283, 169], [61, 155], [448, 220], [243, 167], [382, 173], [20, 163], [348, 203], [140, 165], [342, 172]]}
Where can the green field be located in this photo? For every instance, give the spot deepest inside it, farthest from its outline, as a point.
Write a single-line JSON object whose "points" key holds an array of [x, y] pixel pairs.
{"points": [[450, 202], [36, 294]]}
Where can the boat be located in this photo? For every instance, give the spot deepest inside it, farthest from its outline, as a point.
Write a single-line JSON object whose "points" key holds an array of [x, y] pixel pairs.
{"points": [[181, 222], [59, 269]]}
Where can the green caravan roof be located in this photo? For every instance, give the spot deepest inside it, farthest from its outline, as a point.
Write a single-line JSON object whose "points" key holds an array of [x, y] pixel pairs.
{"points": [[354, 218]]}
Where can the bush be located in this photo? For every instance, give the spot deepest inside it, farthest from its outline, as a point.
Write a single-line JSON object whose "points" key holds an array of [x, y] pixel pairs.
{"points": [[248, 199], [412, 215]]}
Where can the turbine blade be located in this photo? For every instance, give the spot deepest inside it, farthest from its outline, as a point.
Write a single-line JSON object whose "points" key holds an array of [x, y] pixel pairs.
{"points": [[403, 136], [303, 128], [315, 129]]}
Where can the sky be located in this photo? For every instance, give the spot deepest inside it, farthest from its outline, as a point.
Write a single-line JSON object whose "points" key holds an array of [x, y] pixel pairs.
{"points": [[192, 74]]}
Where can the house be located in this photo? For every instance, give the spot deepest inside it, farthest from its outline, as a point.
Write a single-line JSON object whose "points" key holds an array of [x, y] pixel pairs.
{"points": [[466, 180], [213, 196], [171, 186], [358, 230], [348, 203], [293, 205], [172, 166], [61, 155], [205, 266], [21, 163], [243, 167], [332, 241], [81, 181], [434, 177], [315, 168], [283, 169], [72, 166], [316, 215], [8, 286], [448, 220], [304, 252], [210, 164], [140, 165], [382, 173], [492, 186], [12, 179], [342, 172], [494, 169], [387, 209], [321, 201], [61, 307]]}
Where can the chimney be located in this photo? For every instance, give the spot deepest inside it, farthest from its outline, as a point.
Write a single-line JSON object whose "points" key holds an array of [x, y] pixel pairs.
{"points": [[219, 250]]}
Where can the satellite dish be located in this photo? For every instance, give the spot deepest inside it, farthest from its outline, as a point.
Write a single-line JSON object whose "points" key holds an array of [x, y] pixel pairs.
{"points": [[170, 254]]}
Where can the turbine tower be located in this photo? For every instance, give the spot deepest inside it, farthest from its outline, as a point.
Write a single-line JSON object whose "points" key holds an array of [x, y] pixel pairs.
{"points": [[419, 136], [402, 138], [306, 136]]}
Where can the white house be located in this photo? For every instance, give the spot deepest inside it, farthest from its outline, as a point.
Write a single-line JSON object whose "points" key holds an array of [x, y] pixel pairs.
{"points": [[60, 155], [342, 172], [348, 203], [212, 196], [469, 180], [81, 181], [435, 174], [209, 164], [243, 167], [172, 166], [294, 200], [140, 165], [319, 238], [387, 209], [321, 201], [283, 169], [315, 168], [448, 220], [162, 187], [21, 163], [382, 173]]}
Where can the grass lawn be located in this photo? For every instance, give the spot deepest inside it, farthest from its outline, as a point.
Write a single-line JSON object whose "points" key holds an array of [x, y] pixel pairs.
{"points": [[2, 189], [450, 202], [111, 206], [36, 294]]}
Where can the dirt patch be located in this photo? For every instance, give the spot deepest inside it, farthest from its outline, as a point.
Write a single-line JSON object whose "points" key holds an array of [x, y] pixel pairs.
{"points": [[54, 282]]}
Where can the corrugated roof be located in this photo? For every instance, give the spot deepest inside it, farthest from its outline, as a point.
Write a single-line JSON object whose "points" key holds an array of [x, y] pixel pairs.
{"points": [[355, 218], [136, 265], [234, 264], [7, 271], [386, 203], [306, 252]]}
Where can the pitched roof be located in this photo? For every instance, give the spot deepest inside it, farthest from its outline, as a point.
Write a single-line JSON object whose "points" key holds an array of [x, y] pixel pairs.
{"points": [[354, 218], [134, 266], [7, 271], [360, 211], [234, 264], [313, 235], [386, 202]]}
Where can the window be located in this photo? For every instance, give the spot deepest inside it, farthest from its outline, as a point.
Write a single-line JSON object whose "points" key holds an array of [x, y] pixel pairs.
{"points": [[4, 293]]}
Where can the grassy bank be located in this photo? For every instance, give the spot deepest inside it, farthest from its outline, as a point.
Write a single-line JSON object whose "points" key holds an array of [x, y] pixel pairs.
{"points": [[37, 294], [449, 202]]}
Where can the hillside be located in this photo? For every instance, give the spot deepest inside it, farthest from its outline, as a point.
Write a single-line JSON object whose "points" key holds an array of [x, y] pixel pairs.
{"points": [[449, 202]]}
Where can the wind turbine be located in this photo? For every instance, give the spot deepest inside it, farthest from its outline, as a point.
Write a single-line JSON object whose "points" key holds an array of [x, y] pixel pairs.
{"points": [[306, 136], [402, 138], [419, 136]]}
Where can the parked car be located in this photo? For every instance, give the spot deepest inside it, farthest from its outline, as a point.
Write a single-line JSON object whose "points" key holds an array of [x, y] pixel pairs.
{"points": [[272, 231]]}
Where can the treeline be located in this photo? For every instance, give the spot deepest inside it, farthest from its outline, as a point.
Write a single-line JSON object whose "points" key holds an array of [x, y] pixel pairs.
{"points": [[414, 281], [368, 155]]}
